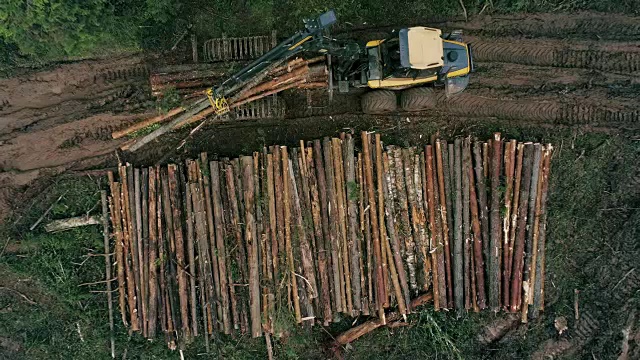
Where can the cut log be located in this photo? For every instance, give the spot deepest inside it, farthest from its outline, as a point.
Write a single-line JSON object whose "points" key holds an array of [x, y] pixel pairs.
{"points": [[514, 218], [128, 256], [509, 167], [466, 223], [477, 242], [287, 227], [444, 185], [179, 250], [116, 221], [495, 240], [399, 277], [354, 240], [365, 328], [343, 252], [332, 211], [529, 249], [481, 190], [431, 204], [519, 246], [189, 219], [323, 241], [404, 224], [251, 242], [538, 282], [107, 266], [375, 234], [214, 170], [458, 245]]}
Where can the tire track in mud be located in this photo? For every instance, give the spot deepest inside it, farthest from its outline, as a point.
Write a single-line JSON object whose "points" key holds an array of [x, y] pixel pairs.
{"points": [[527, 52], [470, 105], [562, 25], [551, 112], [123, 74]]}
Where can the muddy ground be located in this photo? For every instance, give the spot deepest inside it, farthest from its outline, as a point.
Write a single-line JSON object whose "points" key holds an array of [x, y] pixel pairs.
{"points": [[535, 74]]}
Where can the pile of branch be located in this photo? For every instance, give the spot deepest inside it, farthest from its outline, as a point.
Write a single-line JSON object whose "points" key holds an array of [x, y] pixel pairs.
{"points": [[322, 231], [296, 74]]}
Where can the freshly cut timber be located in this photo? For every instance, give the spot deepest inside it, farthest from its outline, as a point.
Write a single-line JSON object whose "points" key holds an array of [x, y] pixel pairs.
{"points": [[324, 231]]}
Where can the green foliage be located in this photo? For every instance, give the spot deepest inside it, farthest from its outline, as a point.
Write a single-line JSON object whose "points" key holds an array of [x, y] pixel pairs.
{"points": [[50, 29]]}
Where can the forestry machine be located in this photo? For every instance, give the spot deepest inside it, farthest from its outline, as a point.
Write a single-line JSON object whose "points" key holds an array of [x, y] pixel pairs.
{"points": [[411, 62]]}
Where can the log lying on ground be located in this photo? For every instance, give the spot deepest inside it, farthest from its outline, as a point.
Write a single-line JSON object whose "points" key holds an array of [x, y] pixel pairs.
{"points": [[367, 327], [70, 223]]}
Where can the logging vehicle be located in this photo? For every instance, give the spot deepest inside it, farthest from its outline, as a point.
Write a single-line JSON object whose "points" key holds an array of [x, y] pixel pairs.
{"points": [[401, 70]]}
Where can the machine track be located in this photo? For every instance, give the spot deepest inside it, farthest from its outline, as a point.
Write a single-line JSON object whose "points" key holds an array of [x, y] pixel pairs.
{"points": [[594, 26], [134, 72], [553, 53]]}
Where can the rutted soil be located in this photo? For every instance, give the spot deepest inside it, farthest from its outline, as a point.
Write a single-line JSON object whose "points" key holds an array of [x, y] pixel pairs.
{"points": [[586, 25], [61, 118], [70, 92]]}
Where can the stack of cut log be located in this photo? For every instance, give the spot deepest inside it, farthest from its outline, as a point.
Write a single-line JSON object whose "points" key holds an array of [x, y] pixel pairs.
{"points": [[322, 231], [191, 80], [295, 74]]}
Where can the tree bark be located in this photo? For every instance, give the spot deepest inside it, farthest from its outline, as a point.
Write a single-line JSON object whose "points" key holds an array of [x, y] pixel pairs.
{"points": [[514, 220], [116, 220], [477, 241], [540, 228], [509, 167], [380, 295], [324, 240], [107, 266], [343, 252], [377, 162], [417, 216], [214, 170], [239, 246], [397, 267], [404, 228], [332, 211], [365, 328], [481, 189], [519, 246], [251, 244], [430, 175], [529, 249], [496, 226], [70, 223], [179, 250], [354, 240], [466, 222], [142, 311], [287, 227], [458, 264], [191, 253], [444, 185], [126, 216], [366, 240]]}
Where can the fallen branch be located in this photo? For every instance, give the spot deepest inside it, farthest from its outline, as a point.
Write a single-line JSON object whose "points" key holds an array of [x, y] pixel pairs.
{"points": [[46, 212], [29, 301]]}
